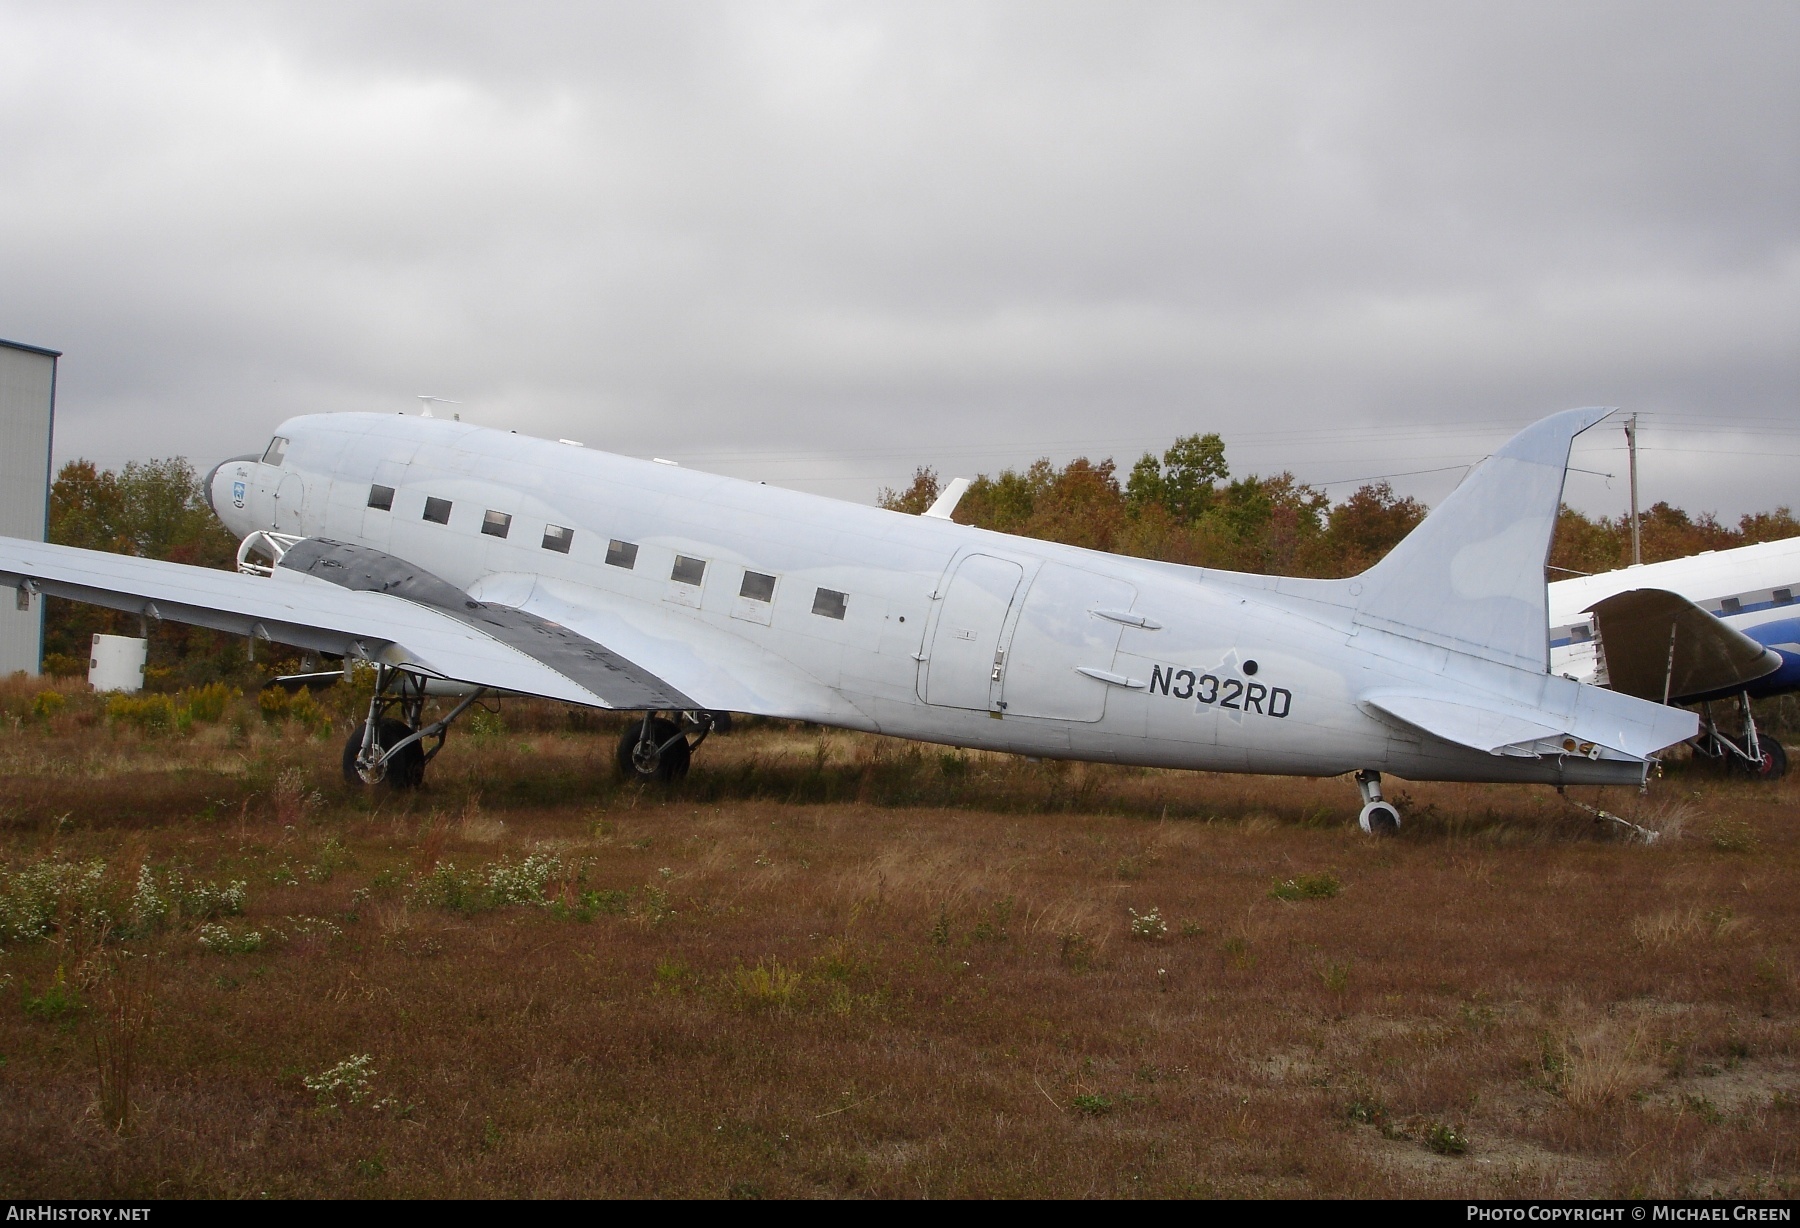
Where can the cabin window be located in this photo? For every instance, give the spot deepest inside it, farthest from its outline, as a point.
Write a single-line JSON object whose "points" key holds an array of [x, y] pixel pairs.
{"points": [[828, 603], [276, 450], [688, 571], [1783, 596], [1731, 605], [757, 586], [381, 498], [558, 538], [496, 524], [1579, 634], [621, 554], [437, 511]]}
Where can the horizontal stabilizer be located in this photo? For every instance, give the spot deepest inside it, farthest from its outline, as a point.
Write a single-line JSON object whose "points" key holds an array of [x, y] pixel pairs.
{"points": [[1595, 725], [1490, 729], [1660, 646]]}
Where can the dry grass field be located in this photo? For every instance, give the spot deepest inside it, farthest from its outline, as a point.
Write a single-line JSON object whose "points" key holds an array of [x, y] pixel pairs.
{"points": [[834, 965]]}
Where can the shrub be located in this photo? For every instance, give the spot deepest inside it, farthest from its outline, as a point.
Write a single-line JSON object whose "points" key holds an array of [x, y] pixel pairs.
{"points": [[51, 894], [1076, 950], [150, 713], [1446, 1139], [208, 703], [62, 665], [273, 702], [58, 999], [304, 710], [1321, 886], [47, 704], [349, 1079], [768, 986], [504, 882]]}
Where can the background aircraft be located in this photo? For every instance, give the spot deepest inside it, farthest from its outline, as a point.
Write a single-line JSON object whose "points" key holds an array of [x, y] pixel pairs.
{"points": [[453, 557], [1718, 625]]}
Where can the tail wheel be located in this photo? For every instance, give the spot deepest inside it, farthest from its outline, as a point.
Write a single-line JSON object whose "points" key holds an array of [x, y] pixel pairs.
{"points": [[1379, 819], [653, 750], [405, 770]]}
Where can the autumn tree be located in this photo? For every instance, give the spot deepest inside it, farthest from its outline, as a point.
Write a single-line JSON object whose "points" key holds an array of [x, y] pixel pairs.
{"points": [[152, 509], [916, 498]]}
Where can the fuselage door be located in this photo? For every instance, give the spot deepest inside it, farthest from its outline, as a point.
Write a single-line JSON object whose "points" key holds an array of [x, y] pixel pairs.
{"points": [[290, 505], [1058, 635], [964, 667]]}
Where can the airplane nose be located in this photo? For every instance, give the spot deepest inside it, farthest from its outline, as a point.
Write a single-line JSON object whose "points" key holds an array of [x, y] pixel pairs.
{"points": [[206, 487], [212, 477]]}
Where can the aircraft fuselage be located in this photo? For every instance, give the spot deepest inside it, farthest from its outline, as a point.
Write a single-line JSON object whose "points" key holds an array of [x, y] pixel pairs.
{"points": [[905, 625]]}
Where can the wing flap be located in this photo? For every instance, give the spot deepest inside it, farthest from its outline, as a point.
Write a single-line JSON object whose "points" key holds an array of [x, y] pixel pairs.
{"points": [[1658, 645], [722, 671], [621, 682]]}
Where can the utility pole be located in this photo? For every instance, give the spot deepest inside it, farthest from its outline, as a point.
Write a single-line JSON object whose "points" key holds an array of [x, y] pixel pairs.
{"points": [[1637, 548]]}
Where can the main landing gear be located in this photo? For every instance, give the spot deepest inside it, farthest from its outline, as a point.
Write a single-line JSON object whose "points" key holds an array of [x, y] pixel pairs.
{"points": [[659, 749], [389, 746], [1757, 756], [1378, 818]]}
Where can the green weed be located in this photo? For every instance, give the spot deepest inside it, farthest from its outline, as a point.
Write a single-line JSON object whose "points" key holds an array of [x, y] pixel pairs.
{"points": [[1321, 886]]}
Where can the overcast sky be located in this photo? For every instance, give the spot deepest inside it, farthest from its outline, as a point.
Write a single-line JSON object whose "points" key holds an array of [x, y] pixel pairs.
{"points": [[821, 243]]}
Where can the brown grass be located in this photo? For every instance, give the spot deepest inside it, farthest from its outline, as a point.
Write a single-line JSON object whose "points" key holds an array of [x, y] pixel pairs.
{"points": [[838, 965]]}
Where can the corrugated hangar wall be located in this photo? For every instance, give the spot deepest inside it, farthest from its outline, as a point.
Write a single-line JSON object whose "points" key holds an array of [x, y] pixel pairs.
{"points": [[27, 413]]}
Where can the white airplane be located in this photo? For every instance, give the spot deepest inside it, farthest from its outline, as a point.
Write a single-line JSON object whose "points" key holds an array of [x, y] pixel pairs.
{"points": [[1717, 625], [444, 553]]}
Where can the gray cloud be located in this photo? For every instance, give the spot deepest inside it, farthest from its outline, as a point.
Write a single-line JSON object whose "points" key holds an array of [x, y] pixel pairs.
{"points": [[820, 243]]}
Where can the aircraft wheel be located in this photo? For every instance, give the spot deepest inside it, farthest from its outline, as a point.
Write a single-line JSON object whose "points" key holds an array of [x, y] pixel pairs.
{"points": [[1774, 761], [404, 771], [639, 758], [1379, 819]]}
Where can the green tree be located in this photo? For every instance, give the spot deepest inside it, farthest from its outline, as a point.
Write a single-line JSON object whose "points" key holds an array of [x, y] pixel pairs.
{"points": [[153, 509]]}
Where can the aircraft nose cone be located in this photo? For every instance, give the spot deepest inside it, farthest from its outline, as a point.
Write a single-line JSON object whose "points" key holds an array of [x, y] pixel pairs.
{"points": [[206, 487]]}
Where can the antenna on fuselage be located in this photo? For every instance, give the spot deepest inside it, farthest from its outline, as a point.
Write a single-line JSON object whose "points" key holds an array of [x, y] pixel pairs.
{"points": [[427, 402]]}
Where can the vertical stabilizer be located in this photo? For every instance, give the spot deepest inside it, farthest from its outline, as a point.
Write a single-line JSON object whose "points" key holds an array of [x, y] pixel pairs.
{"points": [[1471, 577]]}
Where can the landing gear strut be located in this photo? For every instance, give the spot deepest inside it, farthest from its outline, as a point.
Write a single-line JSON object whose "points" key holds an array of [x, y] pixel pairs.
{"points": [[1754, 754], [1378, 818], [391, 748], [656, 748]]}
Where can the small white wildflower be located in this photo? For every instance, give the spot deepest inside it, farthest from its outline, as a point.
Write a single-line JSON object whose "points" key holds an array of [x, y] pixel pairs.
{"points": [[1149, 926], [349, 1077]]}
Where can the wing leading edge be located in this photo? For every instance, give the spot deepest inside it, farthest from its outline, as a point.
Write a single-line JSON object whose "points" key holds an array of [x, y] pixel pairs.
{"points": [[338, 600]]}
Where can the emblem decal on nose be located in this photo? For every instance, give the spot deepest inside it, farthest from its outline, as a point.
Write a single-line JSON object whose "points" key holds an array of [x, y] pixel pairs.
{"points": [[237, 494]]}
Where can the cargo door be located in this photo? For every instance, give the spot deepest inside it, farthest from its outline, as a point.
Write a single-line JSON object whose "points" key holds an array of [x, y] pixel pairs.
{"points": [[965, 664], [1058, 635]]}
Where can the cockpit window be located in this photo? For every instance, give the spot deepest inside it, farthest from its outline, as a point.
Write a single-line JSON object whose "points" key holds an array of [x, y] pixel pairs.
{"points": [[277, 450]]}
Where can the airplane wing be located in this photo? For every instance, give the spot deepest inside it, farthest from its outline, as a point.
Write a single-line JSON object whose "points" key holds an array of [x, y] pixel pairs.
{"points": [[351, 601], [1660, 646]]}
